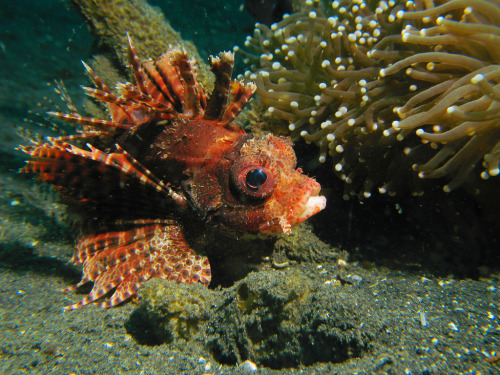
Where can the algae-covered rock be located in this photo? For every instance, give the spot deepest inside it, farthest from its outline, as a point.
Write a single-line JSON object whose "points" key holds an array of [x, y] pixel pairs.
{"points": [[281, 319], [256, 319], [178, 311], [303, 245], [276, 318], [110, 21]]}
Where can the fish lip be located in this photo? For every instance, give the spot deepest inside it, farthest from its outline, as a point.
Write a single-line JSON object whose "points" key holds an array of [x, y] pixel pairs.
{"points": [[310, 204], [314, 204]]}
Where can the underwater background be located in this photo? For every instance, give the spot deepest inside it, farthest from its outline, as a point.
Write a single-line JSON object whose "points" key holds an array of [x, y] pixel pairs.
{"points": [[405, 284]]}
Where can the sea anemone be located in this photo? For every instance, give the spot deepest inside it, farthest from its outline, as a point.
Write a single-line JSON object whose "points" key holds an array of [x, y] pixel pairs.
{"points": [[393, 91]]}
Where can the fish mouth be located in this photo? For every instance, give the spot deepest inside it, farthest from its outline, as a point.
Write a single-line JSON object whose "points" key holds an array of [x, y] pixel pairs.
{"points": [[313, 205], [310, 204]]}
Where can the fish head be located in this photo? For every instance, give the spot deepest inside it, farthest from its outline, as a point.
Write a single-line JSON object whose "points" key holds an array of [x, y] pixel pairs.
{"points": [[257, 190]]}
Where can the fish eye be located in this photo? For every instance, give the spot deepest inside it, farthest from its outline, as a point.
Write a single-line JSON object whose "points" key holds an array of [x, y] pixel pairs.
{"points": [[251, 177], [255, 178]]}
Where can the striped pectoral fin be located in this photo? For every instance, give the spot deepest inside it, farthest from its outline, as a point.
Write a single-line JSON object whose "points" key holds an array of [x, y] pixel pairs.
{"points": [[174, 259], [122, 264], [79, 171], [54, 165], [121, 281], [88, 121], [75, 175]]}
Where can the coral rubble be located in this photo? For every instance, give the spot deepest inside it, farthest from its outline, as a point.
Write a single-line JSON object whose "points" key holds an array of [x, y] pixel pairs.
{"points": [[393, 91]]}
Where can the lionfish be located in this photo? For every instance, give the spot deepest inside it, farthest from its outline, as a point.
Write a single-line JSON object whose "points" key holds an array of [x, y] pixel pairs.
{"points": [[168, 159]]}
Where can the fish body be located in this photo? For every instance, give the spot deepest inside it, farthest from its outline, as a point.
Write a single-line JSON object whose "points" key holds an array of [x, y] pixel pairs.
{"points": [[168, 160]]}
